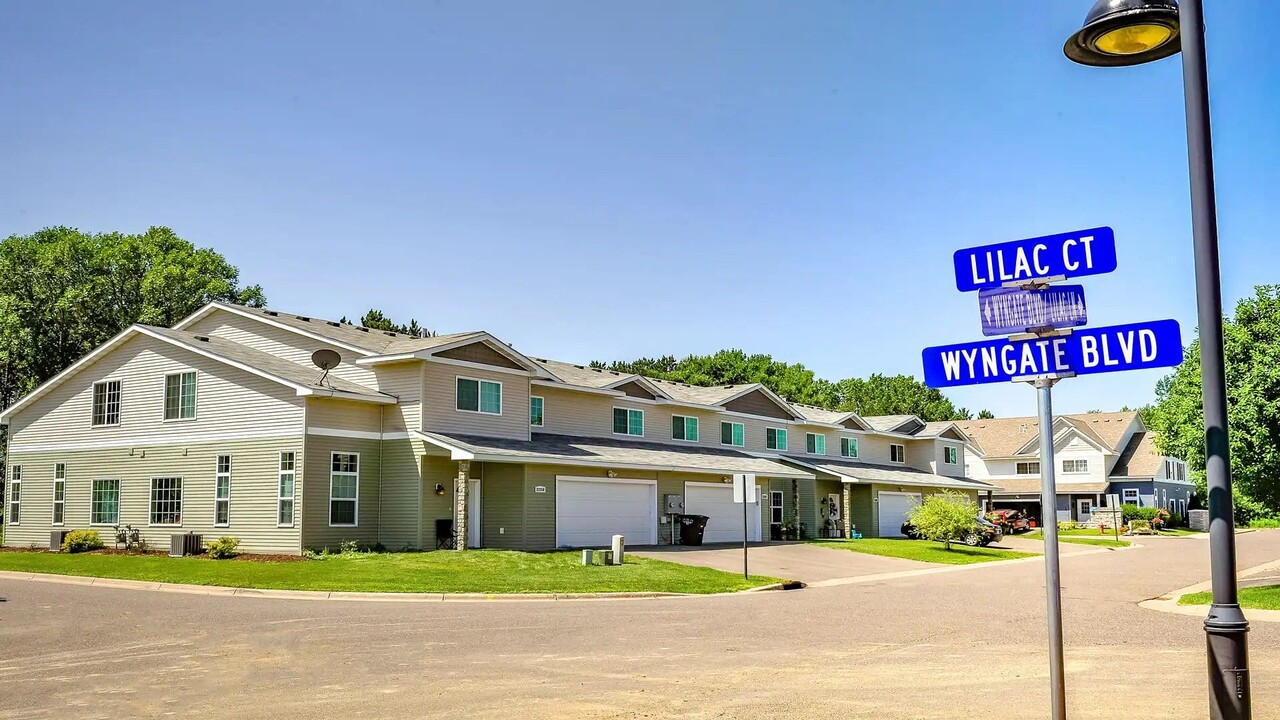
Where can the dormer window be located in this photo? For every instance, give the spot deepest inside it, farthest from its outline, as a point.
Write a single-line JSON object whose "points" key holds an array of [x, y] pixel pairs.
{"points": [[950, 455]]}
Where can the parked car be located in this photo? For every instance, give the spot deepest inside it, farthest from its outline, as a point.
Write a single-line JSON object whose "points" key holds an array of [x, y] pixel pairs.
{"points": [[984, 533], [1011, 521]]}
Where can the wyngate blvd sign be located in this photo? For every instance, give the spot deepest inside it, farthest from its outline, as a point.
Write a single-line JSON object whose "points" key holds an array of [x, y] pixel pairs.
{"points": [[1082, 352], [1067, 255]]}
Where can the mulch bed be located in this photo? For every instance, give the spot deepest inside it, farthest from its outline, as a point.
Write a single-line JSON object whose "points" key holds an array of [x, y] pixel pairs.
{"points": [[247, 557]]}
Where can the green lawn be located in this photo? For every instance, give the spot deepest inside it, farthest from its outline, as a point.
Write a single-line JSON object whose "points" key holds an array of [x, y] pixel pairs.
{"points": [[1266, 597], [476, 571], [922, 550], [1080, 537]]}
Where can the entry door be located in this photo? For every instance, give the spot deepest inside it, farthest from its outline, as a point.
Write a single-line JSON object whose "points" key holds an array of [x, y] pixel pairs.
{"points": [[473, 514], [1084, 510]]}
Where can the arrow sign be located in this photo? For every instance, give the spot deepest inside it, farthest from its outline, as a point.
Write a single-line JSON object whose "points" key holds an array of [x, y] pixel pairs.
{"points": [[1083, 352], [1074, 254], [1007, 311]]}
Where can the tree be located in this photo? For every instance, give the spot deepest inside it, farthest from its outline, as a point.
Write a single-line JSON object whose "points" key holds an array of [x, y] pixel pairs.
{"points": [[985, 414], [376, 320], [896, 395], [1252, 347], [946, 517]]}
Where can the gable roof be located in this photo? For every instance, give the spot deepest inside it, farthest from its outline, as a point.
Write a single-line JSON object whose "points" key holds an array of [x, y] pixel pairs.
{"points": [[1140, 459], [816, 414], [1004, 437], [889, 423], [857, 472]]}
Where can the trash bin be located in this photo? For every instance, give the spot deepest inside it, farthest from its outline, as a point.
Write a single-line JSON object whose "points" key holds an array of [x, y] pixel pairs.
{"points": [[691, 529]]}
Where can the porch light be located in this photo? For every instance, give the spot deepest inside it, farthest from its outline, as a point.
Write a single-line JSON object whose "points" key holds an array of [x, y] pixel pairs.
{"points": [[440, 489]]}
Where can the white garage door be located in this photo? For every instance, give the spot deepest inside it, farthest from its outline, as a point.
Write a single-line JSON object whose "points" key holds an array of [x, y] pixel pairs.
{"points": [[590, 512], [893, 511], [716, 502]]}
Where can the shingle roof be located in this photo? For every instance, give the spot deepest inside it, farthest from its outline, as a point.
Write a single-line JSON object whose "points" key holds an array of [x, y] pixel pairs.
{"points": [[1001, 437], [886, 423], [1031, 486], [380, 342], [702, 394], [582, 375], [864, 472], [545, 448], [817, 414], [1140, 458]]}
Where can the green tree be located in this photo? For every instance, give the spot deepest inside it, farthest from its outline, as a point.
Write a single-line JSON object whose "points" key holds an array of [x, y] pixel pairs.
{"points": [[896, 395], [1252, 347], [946, 517], [985, 414], [376, 320]]}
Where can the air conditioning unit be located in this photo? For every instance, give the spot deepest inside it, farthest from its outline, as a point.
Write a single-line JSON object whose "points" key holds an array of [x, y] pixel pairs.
{"points": [[185, 544], [56, 536]]}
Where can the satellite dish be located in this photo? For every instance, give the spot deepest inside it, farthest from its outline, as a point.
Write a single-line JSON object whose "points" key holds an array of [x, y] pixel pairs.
{"points": [[326, 359]]}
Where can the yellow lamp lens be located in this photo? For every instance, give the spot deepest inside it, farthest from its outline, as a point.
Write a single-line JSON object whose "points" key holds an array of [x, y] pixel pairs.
{"points": [[1133, 39]]}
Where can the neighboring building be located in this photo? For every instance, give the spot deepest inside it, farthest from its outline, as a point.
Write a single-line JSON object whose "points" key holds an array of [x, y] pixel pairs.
{"points": [[1096, 454], [223, 426]]}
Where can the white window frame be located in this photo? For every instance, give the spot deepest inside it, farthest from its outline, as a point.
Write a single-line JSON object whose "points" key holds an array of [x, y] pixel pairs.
{"points": [[742, 433], [784, 436], [849, 447], [356, 513], [628, 410], [1028, 463], [697, 429], [15, 482], [218, 475], [59, 483], [119, 494], [820, 439], [293, 486], [1125, 496], [93, 403], [950, 455], [479, 396], [902, 448], [195, 400], [542, 411], [777, 495], [151, 500], [1075, 464]]}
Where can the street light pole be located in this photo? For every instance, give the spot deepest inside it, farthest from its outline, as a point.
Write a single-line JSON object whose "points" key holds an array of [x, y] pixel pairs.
{"points": [[1226, 627]]}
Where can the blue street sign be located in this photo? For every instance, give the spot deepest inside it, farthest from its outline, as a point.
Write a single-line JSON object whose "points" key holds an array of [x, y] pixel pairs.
{"points": [[1007, 311], [1073, 254], [1083, 352]]}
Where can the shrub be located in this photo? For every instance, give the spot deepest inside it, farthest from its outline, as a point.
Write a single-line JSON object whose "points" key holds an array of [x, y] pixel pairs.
{"points": [[1068, 525], [81, 541], [945, 517], [349, 547], [1265, 523], [224, 547], [1247, 510]]}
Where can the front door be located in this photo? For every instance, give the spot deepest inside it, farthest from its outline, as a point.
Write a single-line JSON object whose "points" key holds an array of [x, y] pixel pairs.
{"points": [[775, 515], [833, 512], [1084, 510], [473, 514]]}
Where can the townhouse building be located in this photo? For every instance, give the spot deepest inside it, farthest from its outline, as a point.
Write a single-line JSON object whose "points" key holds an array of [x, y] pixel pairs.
{"points": [[222, 425]]}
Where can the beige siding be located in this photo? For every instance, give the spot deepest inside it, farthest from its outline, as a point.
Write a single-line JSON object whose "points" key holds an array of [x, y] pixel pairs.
{"points": [[254, 491], [502, 506], [316, 531], [230, 403], [333, 414], [402, 494], [436, 470], [439, 406], [404, 381]]}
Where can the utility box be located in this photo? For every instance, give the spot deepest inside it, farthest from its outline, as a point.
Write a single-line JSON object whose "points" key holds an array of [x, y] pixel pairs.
{"points": [[56, 536], [185, 544], [619, 548], [674, 503]]}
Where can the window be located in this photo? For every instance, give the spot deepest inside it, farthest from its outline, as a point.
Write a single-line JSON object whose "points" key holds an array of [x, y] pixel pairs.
{"points": [[106, 403], [284, 500], [1182, 471], [731, 433], [15, 495], [59, 492], [180, 396], [950, 455], [897, 453], [775, 507], [166, 501], [1075, 466], [775, 438], [684, 428], [1129, 496], [482, 396], [628, 422], [222, 491], [815, 443], [1028, 468], [535, 411], [105, 504], [849, 447], [344, 489]]}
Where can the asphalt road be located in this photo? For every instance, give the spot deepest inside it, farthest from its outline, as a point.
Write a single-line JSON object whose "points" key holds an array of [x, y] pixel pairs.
{"points": [[958, 644]]}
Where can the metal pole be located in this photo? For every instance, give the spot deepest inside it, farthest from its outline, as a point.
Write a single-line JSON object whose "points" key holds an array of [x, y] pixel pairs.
{"points": [[1052, 577], [1226, 627], [746, 500]]}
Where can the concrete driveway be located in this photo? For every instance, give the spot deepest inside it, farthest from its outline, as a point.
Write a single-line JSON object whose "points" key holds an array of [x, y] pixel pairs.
{"points": [[789, 561]]}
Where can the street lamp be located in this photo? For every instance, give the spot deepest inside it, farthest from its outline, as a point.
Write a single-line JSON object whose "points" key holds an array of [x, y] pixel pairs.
{"points": [[1131, 32]]}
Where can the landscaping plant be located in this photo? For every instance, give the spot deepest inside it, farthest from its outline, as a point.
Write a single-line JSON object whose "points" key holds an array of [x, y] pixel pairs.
{"points": [[224, 547], [946, 517], [82, 541]]}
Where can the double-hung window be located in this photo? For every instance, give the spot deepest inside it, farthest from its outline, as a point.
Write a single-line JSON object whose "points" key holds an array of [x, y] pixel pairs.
{"points": [[166, 501], [684, 428], [775, 438], [535, 411], [344, 489], [222, 491], [105, 504], [848, 447], [1075, 466], [482, 396], [897, 453], [950, 454], [106, 403], [1028, 468], [15, 495], [1129, 496], [180, 395], [59, 492], [627, 421], [731, 433], [284, 498], [815, 443]]}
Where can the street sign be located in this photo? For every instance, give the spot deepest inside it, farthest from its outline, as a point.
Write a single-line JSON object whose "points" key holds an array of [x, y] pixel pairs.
{"points": [[1082, 352], [1012, 310], [749, 481], [1067, 255]]}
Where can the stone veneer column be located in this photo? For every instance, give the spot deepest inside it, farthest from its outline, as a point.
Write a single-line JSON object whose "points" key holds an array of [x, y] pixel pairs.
{"points": [[461, 491]]}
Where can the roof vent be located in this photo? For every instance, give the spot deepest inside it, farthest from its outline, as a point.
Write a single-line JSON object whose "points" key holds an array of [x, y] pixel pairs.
{"points": [[272, 313], [202, 338], [391, 334], [334, 324], [364, 329], [303, 319]]}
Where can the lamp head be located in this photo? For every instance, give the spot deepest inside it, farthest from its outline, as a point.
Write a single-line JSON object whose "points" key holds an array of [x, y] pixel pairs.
{"points": [[1126, 32]]}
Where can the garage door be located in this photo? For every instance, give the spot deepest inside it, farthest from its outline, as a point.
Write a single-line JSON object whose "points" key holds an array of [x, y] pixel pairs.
{"points": [[590, 512], [893, 511], [716, 502]]}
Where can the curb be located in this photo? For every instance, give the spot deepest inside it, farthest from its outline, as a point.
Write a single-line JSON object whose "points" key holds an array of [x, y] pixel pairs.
{"points": [[1169, 601], [347, 596]]}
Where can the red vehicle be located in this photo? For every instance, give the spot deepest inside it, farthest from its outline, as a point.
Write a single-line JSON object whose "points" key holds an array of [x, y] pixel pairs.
{"points": [[1012, 521]]}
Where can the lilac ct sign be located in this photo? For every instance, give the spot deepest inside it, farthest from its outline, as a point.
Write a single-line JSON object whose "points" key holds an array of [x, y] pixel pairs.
{"points": [[1066, 255]]}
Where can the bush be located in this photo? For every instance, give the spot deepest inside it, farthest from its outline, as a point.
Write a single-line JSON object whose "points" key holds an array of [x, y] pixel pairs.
{"points": [[1265, 523], [945, 517], [81, 541], [224, 547], [1247, 510], [1068, 525]]}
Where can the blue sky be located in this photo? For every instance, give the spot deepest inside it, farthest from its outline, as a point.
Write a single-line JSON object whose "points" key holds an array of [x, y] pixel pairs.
{"points": [[606, 180]]}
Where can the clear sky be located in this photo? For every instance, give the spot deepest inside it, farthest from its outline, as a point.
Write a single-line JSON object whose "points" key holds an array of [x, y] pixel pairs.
{"points": [[596, 180]]}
